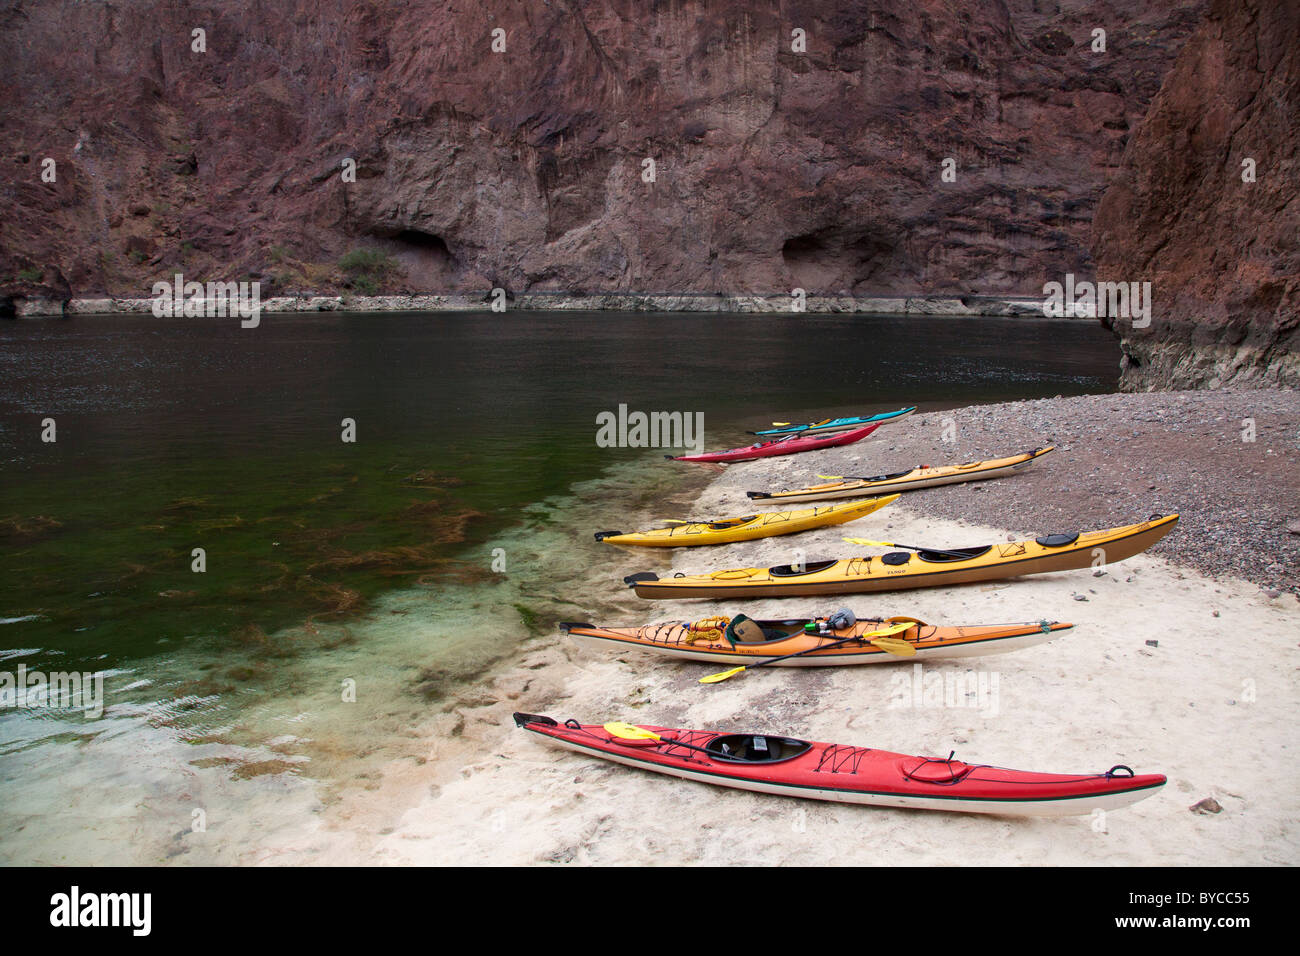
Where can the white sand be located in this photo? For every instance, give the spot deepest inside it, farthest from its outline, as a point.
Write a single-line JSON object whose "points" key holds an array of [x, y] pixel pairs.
{"points": [[1212, 706]]}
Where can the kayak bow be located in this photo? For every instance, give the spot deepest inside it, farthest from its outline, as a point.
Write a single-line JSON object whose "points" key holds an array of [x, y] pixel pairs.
{"points": [[833, 424], [790, 445]]}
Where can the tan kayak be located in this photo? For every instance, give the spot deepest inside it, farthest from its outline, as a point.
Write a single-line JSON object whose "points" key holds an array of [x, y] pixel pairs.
{"points": [[923, 476], [913, 569], [695, 642], [725, 530]]}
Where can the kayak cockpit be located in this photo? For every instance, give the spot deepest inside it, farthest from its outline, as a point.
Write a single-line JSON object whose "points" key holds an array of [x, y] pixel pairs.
{"points": [[792, 570], [756, 748], [771, 631], [730, 523], [897, 474], [957, 554]]}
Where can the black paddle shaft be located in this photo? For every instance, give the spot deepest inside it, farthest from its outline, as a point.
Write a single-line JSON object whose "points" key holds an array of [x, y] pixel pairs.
{"points": [[671, 742], [811, 650], [952, 554]]}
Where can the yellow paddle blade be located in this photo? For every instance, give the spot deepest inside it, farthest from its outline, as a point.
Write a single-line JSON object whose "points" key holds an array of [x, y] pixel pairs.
{"points": [[718, 678], [895, 646], [831, 477], [618, 728], [890, 631], [675, 521], [780, 424], [871, 544]]}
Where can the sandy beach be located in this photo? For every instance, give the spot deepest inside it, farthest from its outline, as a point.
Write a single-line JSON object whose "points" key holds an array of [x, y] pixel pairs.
{"points": [[1168, 669]]}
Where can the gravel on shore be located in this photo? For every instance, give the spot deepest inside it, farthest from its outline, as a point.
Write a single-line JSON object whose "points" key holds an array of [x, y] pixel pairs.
{"points": [[1228, 462]]}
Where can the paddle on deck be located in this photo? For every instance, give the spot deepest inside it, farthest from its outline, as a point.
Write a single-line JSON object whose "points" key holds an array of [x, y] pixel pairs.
{"points": [[909, 547], [626, 731], [882, 639]]}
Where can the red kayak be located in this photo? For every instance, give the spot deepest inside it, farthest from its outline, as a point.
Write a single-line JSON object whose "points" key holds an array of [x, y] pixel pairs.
{"points": [[799, 768], [791, 445]]}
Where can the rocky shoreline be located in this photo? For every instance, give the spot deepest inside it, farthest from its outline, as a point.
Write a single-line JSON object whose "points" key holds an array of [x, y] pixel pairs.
{"points": [[932, 305]]}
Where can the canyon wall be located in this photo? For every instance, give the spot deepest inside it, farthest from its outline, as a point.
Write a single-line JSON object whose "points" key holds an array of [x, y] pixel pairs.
{"points": [[1207, 209], [774, 167]]}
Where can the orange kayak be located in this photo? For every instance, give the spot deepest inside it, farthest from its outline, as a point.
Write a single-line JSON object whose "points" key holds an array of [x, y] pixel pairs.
{"points": [[682, 639]]}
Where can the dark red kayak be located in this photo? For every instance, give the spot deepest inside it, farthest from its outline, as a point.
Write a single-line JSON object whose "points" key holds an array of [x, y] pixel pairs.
{"points": [[816, 771], [782, 446]]}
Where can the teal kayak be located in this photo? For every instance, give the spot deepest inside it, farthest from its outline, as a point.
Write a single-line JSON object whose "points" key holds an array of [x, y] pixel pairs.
{"points": [[834, 424]]}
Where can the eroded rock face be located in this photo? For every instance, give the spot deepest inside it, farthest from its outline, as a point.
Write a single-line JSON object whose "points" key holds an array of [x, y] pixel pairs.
{"points": [[1222, 254], [524, 169]]}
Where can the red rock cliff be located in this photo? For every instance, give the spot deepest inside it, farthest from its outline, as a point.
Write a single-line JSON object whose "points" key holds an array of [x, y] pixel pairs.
{"points": [[774, 168], [1222, 254]]}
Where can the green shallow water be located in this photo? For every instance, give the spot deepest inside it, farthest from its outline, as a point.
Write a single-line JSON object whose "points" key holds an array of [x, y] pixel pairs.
{"points": [[370, 561]]}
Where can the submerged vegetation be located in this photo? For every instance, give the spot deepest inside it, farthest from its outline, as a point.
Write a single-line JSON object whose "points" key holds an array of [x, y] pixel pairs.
{"points": [[273, 565], [17, 528], [530, 618]]}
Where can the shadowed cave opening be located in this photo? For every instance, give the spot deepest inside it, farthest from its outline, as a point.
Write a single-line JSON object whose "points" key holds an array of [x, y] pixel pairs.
{"points": [[426, 244], [830, 261], [426, 258]]}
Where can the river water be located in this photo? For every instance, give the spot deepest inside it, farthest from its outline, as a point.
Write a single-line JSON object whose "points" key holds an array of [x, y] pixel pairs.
{"points": [[346, 585]]}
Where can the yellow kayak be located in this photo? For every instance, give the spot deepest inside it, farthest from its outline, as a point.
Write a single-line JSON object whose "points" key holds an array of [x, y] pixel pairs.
{"points": [[725, 530], [923, 476], [913, 569]]}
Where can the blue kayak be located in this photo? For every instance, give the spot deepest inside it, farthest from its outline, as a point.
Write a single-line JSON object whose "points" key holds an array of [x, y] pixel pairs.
{"points": [[834, 424]]}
